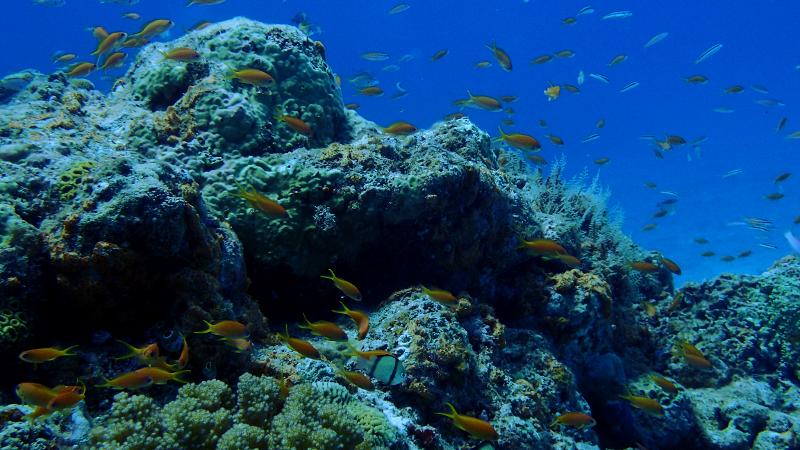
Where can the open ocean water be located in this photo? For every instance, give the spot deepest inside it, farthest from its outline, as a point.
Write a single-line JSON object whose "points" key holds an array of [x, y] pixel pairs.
{"points": [[738, 132]]}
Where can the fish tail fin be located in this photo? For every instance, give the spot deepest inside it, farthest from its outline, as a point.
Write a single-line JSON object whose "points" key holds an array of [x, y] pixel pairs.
{"points": [[132, 351], [345, 309], [452, 414], [176, 376], [68, 351], [351, 350], [469, 94], [207, 330], [331, 277], [308, 323]]}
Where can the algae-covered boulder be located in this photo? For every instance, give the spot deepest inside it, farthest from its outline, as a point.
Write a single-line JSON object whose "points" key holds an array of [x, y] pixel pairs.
{"points": [[202, 111]]}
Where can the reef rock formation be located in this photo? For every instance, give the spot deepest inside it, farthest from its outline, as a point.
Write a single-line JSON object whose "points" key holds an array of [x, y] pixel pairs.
{"points": [[122, 216]]}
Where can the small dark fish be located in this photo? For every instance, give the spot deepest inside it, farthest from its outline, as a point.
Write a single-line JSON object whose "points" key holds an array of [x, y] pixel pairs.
{"points": [[736, 89], [701, 240], [542, 123], [617, 60], [569, 20], [600, 123], [557, 140], [649, 227], [566, 53], [674, 139], [696, 79], [707, 254], [572, 89], [727, 258], [781, 124], [796, 220], [661, 213], [745, 253], [440, 54], [774, 196], [602, 161], [782, 177], [508, 98], [650, 185], [669, 201], [542, 59]]}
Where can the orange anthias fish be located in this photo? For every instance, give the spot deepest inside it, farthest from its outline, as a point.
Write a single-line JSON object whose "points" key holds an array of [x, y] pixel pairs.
{"points": [[520, 141], [147, 355], [440, 295], [240, 344], [477, 428], [360, 318], [114, 61], [349, 289], [328, 330], [161, 376], [400, 128], [552, 93], [41, 355], [262, 203], [644, 266], [671, 265], [66, 397], [542, 247], [154, 28], [110, 42], [35, 394], [230, 329], [299, 345], [358, 379], [81, 69], [646, 404], [295, 123], [575, 419], [694, 357], [183, 54], [130, 380], [501, 56], [368, 354], [183, 359], [253, 77], [664, 383]]}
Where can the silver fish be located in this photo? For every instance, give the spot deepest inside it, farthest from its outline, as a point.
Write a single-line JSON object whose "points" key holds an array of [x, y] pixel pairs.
{"points": [[629, 86], [710, 51], [591, 138], [733, 173], [599, 77], [618, 15], [723, 110], [656, 39], [581, 78], [585, 10], [760, 89]]}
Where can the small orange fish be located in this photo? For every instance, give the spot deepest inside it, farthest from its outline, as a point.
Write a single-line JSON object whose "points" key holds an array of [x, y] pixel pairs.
{"points": [[567, 260], [501, 56], [328, 330], [114, 61], [541, 247], [65, 57], [130, 380], [664, 383], [133, 42], [147, 355], [520, 141], [110, 42], [227, 329], [371, 91], [477, 428], [37, 412], [253, 77], [240, 344], [161, 376], [360, 318], [99, 33], [301, 346], [644, 266], [295, 123], [41, 355], [35, 394], [368, 354], [358, 379], [483, 102], [671, 265], [66, 398], [81, 69], [262, 203], [349, 289], [200, 25], [183, 54], [575, 419], [440, 295], [552, 93], [401, 128], [650, 309], [154, 28], [183, 359], [697, 361], [646, 404]]}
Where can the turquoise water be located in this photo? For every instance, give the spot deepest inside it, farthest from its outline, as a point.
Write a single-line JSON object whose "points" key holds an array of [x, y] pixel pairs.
{"points": [[757, 51]]}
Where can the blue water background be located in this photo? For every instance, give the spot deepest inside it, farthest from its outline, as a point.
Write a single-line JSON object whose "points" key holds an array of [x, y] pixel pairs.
{"points": [[760, 48]]}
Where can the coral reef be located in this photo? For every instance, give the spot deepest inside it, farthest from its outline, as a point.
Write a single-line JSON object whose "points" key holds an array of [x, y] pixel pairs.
{"points": [[122, 216]]}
